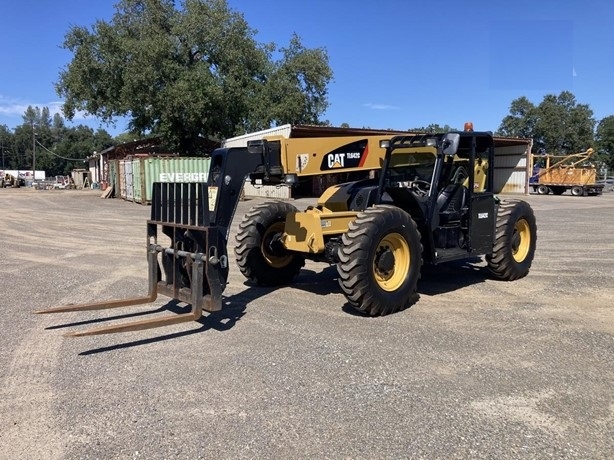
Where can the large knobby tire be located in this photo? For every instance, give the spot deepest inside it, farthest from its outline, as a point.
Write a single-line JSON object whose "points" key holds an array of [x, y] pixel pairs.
{"points": [[380, 261], [515, 239], [260, 255]]}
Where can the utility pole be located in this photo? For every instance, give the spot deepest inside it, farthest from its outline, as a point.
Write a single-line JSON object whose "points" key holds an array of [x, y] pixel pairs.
{"points": [[33, 155]]}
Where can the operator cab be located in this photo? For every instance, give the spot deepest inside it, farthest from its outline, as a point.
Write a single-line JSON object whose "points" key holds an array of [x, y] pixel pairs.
{"points": [[444, 181]]}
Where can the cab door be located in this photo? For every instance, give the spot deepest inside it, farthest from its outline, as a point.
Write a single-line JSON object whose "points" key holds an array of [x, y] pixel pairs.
{"points": [[482, 217]]}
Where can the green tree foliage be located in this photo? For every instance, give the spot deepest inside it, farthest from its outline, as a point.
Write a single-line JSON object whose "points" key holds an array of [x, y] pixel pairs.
{"points": [[296, 86], [521, 120], [433, 128], [59, 149], [189, 72], [128, 137], [6, 148], [604, 137], [558, 124]]}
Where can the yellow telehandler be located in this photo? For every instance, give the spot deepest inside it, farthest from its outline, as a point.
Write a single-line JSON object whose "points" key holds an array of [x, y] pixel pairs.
{"points": [[429, 199]]}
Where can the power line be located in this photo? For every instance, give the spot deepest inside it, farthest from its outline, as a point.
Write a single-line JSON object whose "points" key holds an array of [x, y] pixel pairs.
{"points": [[60, 156]]}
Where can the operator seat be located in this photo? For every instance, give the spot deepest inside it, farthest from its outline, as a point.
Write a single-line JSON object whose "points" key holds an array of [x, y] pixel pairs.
{"points": [[450, 203], [452, 199]]}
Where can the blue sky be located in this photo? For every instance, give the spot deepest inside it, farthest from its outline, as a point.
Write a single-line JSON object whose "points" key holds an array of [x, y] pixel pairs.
{"points": [[397, 64]]}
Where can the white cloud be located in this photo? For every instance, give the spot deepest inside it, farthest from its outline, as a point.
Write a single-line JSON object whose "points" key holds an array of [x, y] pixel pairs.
{"points": [[381, 106], [13, 108]]}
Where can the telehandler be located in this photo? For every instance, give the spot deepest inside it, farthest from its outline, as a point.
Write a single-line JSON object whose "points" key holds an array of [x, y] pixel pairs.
{"points": [[429, 200]]}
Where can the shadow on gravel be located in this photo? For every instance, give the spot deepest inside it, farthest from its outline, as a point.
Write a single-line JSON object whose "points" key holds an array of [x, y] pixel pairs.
{"points": [[234, 308], [168, 307], [319, 283], [451, 276], [436, 280]]}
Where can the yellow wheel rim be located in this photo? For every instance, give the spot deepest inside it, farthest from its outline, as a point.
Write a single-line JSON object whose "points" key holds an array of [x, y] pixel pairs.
{"points": [[521, 240], [273, 260], [391, 262]]}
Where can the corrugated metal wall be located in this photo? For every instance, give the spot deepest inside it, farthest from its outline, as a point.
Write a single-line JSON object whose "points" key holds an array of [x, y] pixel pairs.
{"points": [[510, 174], [122, 179], [129, 180]]}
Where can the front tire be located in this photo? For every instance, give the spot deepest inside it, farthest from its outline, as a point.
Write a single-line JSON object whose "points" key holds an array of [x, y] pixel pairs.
{"points": [[515, 240], [576, 190], [380, 260], [260, 255]]}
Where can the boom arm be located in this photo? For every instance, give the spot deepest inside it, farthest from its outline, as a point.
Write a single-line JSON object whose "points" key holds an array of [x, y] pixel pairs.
{"points": [[286, 159]]}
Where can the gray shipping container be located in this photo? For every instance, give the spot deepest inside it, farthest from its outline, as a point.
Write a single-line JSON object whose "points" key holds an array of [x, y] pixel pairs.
{"points": [[129, 182]]}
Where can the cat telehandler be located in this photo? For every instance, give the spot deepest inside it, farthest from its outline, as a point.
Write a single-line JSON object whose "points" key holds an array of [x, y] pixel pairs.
{"points": [[429, 199]]}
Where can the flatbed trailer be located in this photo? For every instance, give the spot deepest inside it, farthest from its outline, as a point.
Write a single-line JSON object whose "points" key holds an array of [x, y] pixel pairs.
{"points": [[560, 188], [567, 172]]}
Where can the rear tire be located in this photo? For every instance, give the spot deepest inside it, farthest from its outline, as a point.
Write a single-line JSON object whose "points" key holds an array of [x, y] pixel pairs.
{"points": [[380, 260], [515, 240], [543, 190], [576, 190], [261, 258]]}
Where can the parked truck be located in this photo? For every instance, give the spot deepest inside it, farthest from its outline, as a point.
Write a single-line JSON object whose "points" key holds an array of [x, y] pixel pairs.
{"points": [[558, 173]]}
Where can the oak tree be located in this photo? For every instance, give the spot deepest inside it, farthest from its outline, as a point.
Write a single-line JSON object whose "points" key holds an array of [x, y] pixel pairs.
{"points": [[604, 137], [559, 124], [190, 72]]}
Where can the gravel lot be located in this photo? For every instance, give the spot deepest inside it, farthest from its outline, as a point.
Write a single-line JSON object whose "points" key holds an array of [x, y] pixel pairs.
{"points": [[476, 369]]}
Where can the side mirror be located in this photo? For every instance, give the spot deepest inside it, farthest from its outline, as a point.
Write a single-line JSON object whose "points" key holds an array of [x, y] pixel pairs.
{"points": [[450, 143]]}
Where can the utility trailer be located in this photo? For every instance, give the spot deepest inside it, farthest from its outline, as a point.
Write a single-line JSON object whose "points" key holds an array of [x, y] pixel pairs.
{"points": [[558, 173]]}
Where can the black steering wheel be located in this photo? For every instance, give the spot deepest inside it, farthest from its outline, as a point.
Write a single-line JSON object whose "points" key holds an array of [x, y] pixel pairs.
{"points": [[421, 186]]}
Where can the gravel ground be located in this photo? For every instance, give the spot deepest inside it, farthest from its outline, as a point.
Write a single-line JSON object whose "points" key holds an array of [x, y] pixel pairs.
{"points": [[476, 369]]}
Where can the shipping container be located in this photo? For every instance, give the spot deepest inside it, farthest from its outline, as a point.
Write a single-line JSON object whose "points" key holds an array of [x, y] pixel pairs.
{"points": [[129, 180], [114, 176], [122, 178], [147, 170]]}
